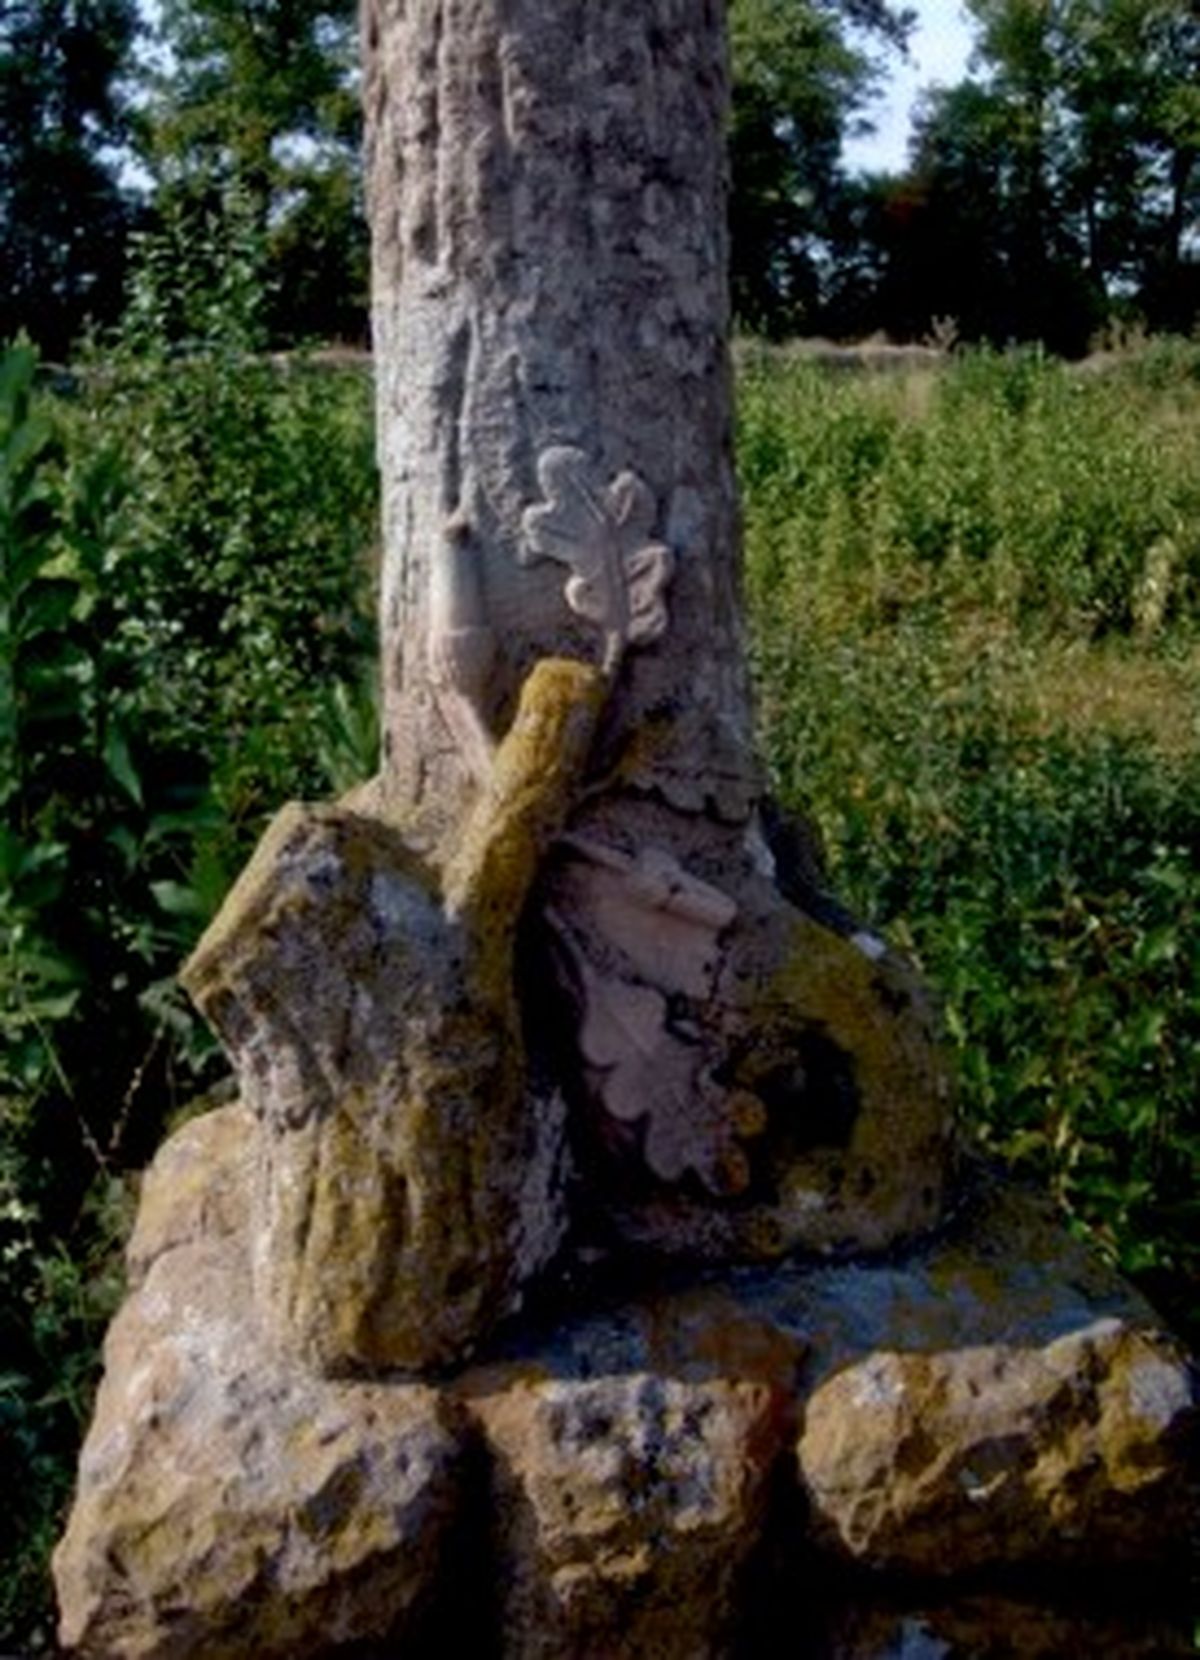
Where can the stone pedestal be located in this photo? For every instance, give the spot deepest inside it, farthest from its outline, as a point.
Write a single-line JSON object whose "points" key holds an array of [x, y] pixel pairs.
{"points": [[984, 1448]]}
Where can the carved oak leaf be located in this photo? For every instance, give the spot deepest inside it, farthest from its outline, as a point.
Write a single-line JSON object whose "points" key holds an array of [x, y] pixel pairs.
{"points": [[602, 533], [666, 921], [646, 1071]]}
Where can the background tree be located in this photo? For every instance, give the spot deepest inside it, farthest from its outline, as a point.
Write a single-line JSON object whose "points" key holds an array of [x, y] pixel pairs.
{"points": [[987, 242], [1056, 185], [259, 98], [1130, 80], [802, 72], [63, 118]]}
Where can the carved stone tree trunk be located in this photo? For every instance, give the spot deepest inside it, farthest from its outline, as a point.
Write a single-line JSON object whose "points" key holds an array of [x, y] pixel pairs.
{"points": [[559, 935], [547, 196]]}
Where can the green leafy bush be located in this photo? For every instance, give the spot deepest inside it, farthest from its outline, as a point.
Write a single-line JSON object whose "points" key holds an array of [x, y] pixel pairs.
{"points": [[185, 629], [94, 812], [243, 559]]}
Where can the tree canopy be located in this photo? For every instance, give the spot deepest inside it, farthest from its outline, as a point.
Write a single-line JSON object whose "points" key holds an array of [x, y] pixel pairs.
{"points": [[259, 97], [1055, 187], [1060, 183], [63, 217], [803, 70]]}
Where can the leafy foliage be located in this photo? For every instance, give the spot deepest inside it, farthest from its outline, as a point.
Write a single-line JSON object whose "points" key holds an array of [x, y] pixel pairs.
{"points": [[63, 217], [1059, 185], [262, 100], [183, 593], [802, 70], [244, 470], [94, 813], [1056, 188]]}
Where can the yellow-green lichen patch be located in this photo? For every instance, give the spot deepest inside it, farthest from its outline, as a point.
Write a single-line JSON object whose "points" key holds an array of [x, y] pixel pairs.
{"points": [[263, 898], [534, 782], [871, 1168]]}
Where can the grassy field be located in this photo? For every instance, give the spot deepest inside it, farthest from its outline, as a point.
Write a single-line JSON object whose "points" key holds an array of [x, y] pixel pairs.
{"points": [[974, 592]]}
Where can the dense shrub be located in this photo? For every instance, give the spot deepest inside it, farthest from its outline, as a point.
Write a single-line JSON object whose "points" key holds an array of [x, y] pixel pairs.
{"points": [[1012, 482], [185, 642]]}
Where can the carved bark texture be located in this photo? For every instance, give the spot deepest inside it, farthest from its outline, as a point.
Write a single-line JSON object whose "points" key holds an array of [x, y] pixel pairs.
{"points": [[548, 201], [547, 194]]}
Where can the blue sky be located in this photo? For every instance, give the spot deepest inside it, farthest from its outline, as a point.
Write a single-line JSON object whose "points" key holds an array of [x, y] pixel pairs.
{"points": [[941, 43]]}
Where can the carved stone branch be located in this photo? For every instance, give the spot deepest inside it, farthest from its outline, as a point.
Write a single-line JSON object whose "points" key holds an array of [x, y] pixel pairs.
{"points": [[409, 1183]]}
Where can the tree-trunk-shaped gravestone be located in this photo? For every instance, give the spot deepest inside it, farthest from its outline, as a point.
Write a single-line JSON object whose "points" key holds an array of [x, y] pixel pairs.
{"points": [[555, 440], [558, 986], [725, 1071]]}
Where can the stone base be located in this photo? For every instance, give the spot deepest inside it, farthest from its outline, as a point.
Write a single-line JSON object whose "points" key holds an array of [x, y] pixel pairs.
{"points": [[846, 1461]]}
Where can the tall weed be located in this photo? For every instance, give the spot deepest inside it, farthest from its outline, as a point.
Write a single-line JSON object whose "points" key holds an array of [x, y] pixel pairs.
{"points": [[1021, 484]]}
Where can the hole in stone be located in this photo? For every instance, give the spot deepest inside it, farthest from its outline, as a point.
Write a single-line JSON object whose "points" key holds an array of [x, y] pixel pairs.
{"points": [[812, 1101], [895, 999]]}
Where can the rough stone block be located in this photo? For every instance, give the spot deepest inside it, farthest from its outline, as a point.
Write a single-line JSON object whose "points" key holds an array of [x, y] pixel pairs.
{"points": [[199, 1187], [632, 1478], [1000, 1455], [229, 1509], [1001, 1400], [653, 1461]]}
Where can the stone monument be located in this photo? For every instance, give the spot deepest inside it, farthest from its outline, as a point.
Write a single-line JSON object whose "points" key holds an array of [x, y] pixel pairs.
{"points": [[577, 1273]]}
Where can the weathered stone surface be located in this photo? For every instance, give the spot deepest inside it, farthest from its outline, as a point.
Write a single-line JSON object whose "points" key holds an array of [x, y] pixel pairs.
{"points": [[837, 1102], [1000, 1402], [560, 922], [200, 1186], [409, 1183], [580, 1419], [1000, 1454], [646, 1439], [626, 1510], [632, 1471], [230, 1509]]}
